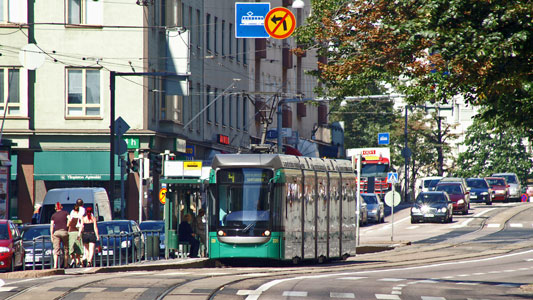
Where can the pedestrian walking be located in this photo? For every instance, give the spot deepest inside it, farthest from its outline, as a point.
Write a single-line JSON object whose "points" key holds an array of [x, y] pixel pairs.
{"points": [[75, 245], [58, 230], [199, 226], [90, 235], [185, 234]]}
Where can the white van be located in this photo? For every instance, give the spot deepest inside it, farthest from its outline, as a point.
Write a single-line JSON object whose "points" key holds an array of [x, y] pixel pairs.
{"points": [[92, 197], [426, 184]]}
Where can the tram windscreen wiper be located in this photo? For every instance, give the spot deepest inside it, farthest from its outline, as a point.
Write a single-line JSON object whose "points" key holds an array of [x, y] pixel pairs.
{"points": [[248, 227]]}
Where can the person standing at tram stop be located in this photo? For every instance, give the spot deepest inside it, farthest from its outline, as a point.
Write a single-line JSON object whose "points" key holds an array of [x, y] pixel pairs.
{"points": [[75, 245], [90, 235], [185, 234], [58, 230], [199, 225]]}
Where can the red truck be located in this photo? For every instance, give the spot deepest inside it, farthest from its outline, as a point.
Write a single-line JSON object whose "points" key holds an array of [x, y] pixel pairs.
{"points": [[375, 163]]}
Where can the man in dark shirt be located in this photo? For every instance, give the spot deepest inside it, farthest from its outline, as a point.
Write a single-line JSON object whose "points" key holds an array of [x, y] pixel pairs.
{"points": [[58, 229], [185, 234]]}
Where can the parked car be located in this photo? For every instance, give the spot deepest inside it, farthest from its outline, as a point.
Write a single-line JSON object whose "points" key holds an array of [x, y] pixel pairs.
{"points": [[515, 188], [432, 206], [428, 183], [38, 245], [155, 228], [480, 190], [500, 187], [11, 248], [363, 213], [120, 239], [457, 194], [374, 206]]}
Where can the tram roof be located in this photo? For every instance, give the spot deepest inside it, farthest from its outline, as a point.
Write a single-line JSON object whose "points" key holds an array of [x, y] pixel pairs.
{"points": [[278, 161]]}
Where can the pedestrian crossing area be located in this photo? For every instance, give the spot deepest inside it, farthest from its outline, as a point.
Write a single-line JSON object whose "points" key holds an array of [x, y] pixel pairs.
{"points": [[396, 290]]}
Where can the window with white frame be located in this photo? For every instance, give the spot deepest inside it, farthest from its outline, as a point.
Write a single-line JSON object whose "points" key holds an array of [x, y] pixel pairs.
{"points": [[13, 11], [10, 91], [84, 12], [83, 93]]}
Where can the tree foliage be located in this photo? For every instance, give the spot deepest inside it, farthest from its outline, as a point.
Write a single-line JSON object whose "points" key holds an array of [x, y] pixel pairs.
{"points": [[492, 150], [429, 50]]}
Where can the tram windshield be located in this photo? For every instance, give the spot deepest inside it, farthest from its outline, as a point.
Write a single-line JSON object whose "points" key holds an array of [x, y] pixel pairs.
{"points": [[243, 199]]}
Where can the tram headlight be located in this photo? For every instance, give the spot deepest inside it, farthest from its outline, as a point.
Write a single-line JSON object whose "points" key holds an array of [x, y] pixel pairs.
{"points": [[221, 233], [266, 233]]}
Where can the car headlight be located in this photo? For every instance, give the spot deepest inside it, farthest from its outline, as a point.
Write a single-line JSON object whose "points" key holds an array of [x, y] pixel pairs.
{"points": [[415, 209], [374, 211], [484, 193], [125, 244], [443, 209], [461, 201], [4, 250]]}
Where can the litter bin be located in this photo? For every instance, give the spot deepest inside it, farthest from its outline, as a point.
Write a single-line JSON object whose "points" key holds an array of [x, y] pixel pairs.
{"points": [[152, 246]]}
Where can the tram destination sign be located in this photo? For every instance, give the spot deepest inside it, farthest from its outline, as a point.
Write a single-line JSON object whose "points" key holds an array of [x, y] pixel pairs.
{"points": [[244, 176]]}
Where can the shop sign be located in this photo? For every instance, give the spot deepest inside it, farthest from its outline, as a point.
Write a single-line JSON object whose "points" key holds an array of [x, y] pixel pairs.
{"points": [[132, 142]]}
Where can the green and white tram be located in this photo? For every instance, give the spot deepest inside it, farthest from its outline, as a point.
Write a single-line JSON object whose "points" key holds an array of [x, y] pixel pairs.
{"points": [[281, 207]]}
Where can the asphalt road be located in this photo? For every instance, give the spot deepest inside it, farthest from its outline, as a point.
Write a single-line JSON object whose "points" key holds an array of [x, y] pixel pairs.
{"points": [[486, 254]]}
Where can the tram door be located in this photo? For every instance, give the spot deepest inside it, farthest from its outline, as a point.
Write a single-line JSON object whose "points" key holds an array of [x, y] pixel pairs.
{"points": [[182, 199]]}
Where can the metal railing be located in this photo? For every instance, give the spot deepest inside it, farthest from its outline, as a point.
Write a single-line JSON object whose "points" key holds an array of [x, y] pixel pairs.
{"points": [[110, 250]]}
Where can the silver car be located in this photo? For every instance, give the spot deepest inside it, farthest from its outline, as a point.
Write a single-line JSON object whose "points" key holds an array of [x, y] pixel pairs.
{"points": [[375, 207]]}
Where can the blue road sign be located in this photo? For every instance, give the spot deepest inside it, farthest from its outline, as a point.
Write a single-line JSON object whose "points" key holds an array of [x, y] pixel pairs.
{"points": [[250, 19], [272, 134], [383, 138], [392, 177]]}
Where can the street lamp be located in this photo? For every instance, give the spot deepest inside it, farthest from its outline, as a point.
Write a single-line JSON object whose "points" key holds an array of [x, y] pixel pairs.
{"points": [[298, 4]]}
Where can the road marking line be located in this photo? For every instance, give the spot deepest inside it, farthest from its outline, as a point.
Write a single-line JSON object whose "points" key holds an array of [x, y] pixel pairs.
{"points": [[215, 274], [465, 223], [351, 278], [427, 281], [248, 292], [509, 271], [529, 259], [463, 275], [468, 283], [397, 287], [172, 274], [523, 269], [448, 277], [412, 227], [396, 292], [402, 285], [294, 294], [432, 298], [477, 274], [516, 225], [387, 297], [7, 288], [390, 279], [342, 295], [134, 290], [493, 225], [253, 274]]}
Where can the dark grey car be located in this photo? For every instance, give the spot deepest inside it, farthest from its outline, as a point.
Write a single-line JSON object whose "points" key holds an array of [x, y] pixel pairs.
{"points": [[432, 206]]}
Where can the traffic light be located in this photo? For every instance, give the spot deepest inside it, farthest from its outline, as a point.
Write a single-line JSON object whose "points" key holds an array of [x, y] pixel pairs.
{"points": [[155, 164], [132, 165]]}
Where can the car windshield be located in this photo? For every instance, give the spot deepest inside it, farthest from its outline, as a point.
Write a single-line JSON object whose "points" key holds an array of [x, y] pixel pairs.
{"points": [[152, 226], [476, 183], [510, 178], [370, 199], [113, 228], [432, 183], [34, 232], [496, 181], [453, 189], [430, 198], [4, 234]]}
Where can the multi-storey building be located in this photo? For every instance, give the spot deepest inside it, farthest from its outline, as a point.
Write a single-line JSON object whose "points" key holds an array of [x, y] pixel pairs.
{"points": [[58, 113]]}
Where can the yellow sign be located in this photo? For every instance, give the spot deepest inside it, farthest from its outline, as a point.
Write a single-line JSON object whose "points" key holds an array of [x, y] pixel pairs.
{"points": [[163, 195], [192, 165], [280, 23]]}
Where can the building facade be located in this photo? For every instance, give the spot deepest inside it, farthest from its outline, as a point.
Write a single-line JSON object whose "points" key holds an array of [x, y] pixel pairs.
{"points": [[56, 92]]}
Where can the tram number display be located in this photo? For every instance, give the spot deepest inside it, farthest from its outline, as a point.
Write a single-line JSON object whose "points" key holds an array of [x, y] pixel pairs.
{"points": [[244, 176]]}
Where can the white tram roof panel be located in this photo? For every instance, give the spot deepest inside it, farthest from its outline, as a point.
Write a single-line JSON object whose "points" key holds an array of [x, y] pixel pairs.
{"points": [[275, 161]]}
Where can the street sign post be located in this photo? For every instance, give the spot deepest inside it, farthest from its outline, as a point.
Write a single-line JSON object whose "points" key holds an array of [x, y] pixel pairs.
{"points": [[250, 19], [383, 138], [280, 23], [392, 199]]}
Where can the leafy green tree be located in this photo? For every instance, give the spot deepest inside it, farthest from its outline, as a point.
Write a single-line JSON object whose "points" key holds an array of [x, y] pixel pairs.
{"points": [[429, 51], [494, 150]]}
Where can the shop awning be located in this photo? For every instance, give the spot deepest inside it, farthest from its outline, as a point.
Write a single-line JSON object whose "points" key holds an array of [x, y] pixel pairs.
{"points": [[73, 165]]}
